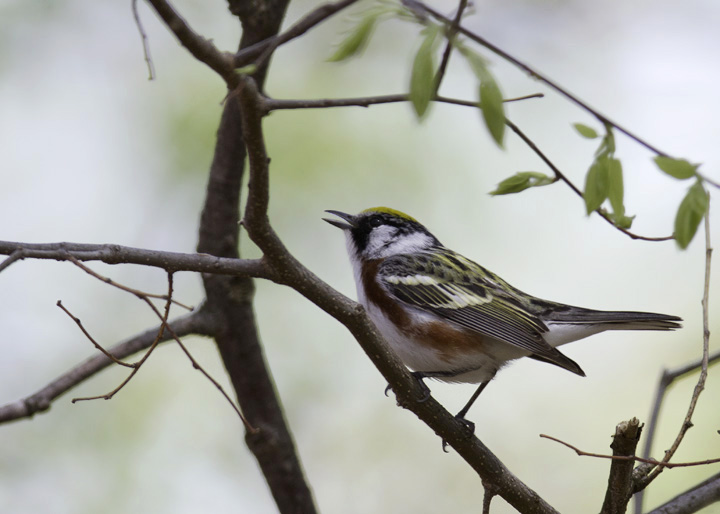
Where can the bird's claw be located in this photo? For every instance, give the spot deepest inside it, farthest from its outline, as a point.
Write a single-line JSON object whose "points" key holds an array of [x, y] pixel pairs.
{"points": [[469, 426], [419, 376], [425, 389]]}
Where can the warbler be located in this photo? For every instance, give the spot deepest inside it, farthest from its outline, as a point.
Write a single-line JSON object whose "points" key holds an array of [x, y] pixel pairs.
{"points": [[448, 318]]}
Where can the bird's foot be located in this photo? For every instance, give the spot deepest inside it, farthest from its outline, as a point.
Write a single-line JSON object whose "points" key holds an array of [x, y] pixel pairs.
{"points": [[419, 376], [469, 428]]}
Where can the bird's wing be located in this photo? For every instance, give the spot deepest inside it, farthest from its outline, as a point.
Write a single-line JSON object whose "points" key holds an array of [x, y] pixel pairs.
{"points": [[463, 292]]}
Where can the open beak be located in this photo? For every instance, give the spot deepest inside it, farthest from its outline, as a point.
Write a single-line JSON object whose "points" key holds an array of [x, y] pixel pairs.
{"points": [[340, 224]]}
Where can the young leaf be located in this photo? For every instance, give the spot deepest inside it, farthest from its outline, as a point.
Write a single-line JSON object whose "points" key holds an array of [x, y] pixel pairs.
{"points": [[521, 181], [585, 131], [493, 110], [622, 221], [615, 188], [356, 40], [691, 211], [678, 168], [596, 185], [476, 61], [422, 78], [607, 145]]}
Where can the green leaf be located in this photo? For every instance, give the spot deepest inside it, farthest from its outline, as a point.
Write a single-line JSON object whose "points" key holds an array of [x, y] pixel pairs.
{"points": [[493, 110], [690, 213], [596, 184], [357, 39], [422, 78], [678, 168], [615, 188], [477, 62], [622, 221], [521, 181], [585, 131], [607, 145]]}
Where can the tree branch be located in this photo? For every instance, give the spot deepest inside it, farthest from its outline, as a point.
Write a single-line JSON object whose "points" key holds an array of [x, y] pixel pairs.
{"points": [[259, 53], [667, 377], [202, 49], [196, 322], [117, 254], [408, 391], [559, 175], [416, 5], [644, 475], [619, 489], [694, 499]]}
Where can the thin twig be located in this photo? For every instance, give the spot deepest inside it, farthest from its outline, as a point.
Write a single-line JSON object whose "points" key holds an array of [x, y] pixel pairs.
{"points": [[274, 104], [145, 42], [159, 337], [207, 375], [259, 52], [559, 175], [161, 330], [659, 463], [700, 386], [196, 322], [535, 74], [201, 48], [92, 340], [667, 378], [450, 36], [136, 292]]}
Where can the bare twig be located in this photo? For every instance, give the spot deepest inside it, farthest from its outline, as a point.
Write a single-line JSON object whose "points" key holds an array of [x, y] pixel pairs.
{"points": [[140, 294], [450, 36], [559, 175], [259, 53], [667, 377], [632, 458], [145, 43], [534, 74], [644, 478], [92, 340], [273, 104], [197, 322], [161, 330], [201, 48], [207, 375], [117, 254]]}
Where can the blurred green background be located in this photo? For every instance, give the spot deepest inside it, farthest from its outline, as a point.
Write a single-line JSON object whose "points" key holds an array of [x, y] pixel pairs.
{"points": [[93, 152]]}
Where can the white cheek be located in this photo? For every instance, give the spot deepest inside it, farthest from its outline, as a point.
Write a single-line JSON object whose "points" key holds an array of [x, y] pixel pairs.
{"points": [[380, 245]]}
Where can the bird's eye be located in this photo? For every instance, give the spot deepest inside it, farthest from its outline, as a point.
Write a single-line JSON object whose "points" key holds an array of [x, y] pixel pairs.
{"points": [[375, 221]]}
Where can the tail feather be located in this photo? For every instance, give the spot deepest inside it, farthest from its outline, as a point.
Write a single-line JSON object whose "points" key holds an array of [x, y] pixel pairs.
{"points": [[566, 326], [624, 320]]}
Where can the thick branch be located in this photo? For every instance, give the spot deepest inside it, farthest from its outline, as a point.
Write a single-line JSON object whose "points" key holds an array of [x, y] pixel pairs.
{"points": [[202, 49], [196, 322], [619, 490], [259, 52], [116, 254], [694, 499], [408, 391], [230, 298]]}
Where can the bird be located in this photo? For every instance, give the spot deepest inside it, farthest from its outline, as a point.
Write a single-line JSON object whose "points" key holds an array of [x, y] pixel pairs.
{"points": [[450, 319]]}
